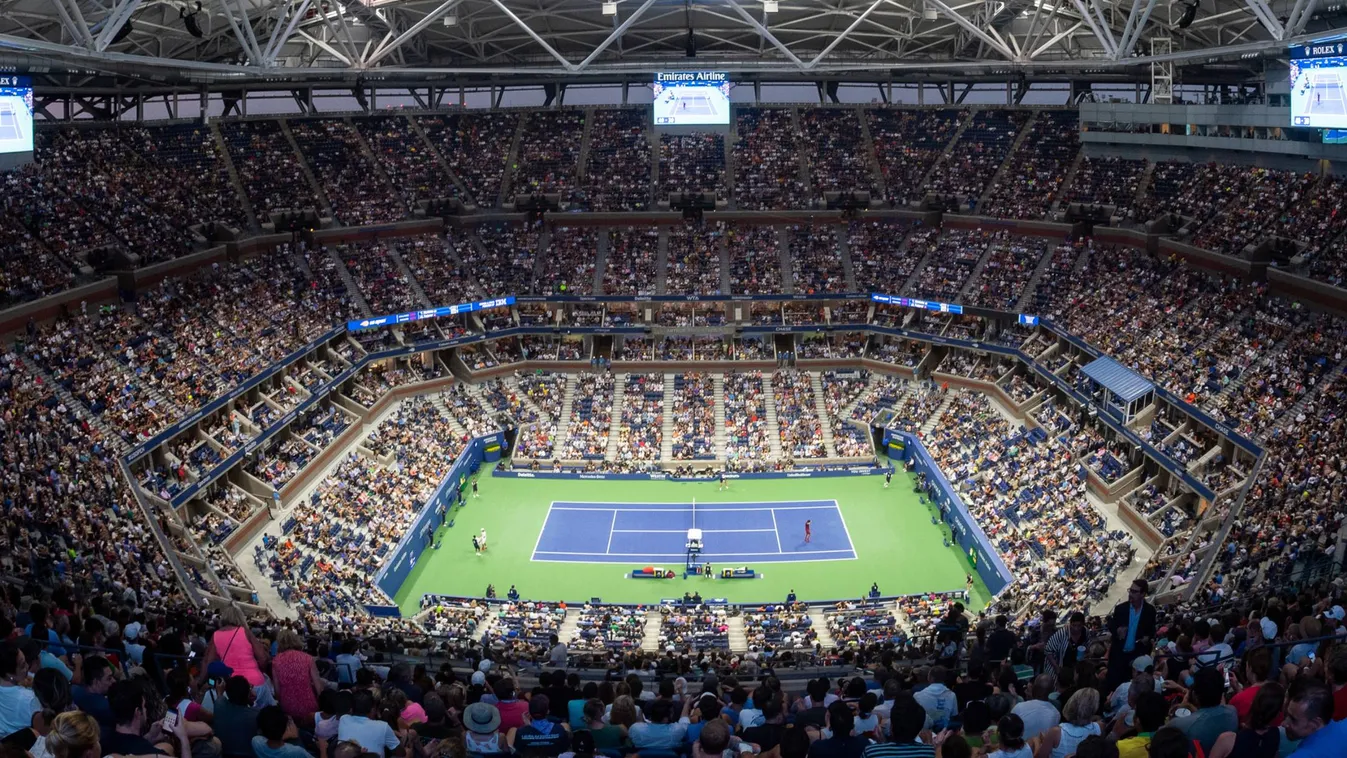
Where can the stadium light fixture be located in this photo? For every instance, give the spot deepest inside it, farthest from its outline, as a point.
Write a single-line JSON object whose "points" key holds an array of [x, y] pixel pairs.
{"points": [[450, 20], [929, 12], [610, 9], [770, 6]]}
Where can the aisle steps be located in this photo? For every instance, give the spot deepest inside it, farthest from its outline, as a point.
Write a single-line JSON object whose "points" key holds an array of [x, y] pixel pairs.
{"points": [[667, 420], [654, 620], [564, 424], [615, 427], [223, 149], [820, 626], [303, 163], [738, 640], [821, 409]]}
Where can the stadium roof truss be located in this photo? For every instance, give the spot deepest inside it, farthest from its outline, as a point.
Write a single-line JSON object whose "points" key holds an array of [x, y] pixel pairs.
{"points": [[244, 42]]}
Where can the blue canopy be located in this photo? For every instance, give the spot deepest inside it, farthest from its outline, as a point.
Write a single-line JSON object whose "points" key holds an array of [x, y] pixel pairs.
{"points": [[1127, 384]]}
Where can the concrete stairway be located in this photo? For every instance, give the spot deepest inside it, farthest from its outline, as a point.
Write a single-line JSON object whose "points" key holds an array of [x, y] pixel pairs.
{"points": [[540, 255], [314, 185], [773, 425], [374, 163], [1029, 289], [930, 424], [438, 401], [1309, 397], [846, 410], [412, 284], [1253, 369], [916, 272], [662, 261], [582, 160], [616, 428], [876, 174], [822, 409], [718, 382], [843, 243], [357, 296], [726, 280], [731, 189], [976, 273], [667, 423], [1011, 156], [820, 625], [653, 621], [507, 176], [1145, 184], [738, 640], [564, 424], [787, 261], [228, 160], [109, 436], [806, 180], [948, 151], [568, 625], [600, 260], [1065, 187], [439, 158]]}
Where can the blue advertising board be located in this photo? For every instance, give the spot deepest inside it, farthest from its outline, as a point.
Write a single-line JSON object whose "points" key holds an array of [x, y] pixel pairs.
{"points": [[432, 516], [967, 534], [393, 319]]}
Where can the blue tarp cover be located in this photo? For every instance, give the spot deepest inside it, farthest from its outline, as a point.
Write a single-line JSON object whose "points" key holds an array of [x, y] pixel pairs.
{"points": [[1127, 384]]}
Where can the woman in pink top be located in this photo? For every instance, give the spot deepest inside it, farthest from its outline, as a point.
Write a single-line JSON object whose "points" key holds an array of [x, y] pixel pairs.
{"points": [[234, 645], [295, 675]]}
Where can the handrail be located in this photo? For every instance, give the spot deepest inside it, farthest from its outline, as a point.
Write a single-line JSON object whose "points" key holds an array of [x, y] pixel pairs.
{"points": [[189, 586], [1236, 510]]}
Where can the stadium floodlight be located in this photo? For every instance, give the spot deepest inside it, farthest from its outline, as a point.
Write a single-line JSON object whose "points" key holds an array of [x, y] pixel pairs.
{"points": [[610, 9], [929, 12], [450, 20], [770, 6]]}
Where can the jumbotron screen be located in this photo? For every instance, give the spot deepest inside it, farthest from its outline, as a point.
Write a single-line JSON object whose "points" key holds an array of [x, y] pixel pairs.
{"points": [[16, 114], [691, 98], [1319, 86]]}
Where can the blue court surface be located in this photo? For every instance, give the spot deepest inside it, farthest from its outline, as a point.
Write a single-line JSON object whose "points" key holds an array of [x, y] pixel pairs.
{"points": [[656, 533]]}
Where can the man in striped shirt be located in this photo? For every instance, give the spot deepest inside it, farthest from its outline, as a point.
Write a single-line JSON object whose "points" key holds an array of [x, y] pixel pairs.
{"points": [[1067, 646], [907, 719]]}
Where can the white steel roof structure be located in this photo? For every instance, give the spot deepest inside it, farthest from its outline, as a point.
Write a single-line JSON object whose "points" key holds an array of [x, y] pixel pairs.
{"points": [[250, 41]]}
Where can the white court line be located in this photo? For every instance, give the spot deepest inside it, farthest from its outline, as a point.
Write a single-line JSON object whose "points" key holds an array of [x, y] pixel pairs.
{"points": [[686, 503], [777, 531], [708, 556], [679, 555], [684, 531], [850, 543], [543, 530], [611, 531], [689, 509]]}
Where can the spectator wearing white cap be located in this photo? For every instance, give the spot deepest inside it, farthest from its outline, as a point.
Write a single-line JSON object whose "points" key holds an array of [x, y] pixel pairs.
{"points": [[482, 722]]}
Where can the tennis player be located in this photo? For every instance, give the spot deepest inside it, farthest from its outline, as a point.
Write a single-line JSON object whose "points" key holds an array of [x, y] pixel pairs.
{"points": [[723, 484], [888, 477], [474, 488], [808, 530], [481, 539]]}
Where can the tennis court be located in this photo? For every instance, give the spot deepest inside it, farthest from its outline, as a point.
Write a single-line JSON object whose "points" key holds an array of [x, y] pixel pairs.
{"points": [[9, 122], [1326, 95], [694, 101], [656, 533], [890, 533]]}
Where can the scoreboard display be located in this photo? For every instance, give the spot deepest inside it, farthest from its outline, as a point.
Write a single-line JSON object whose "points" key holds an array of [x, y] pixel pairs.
{"points": [[1319, 85], [692, 98], [16, 114]]}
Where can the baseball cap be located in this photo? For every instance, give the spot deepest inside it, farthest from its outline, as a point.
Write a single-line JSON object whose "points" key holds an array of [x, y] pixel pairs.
{"points": [[478, 678], [484, 666], [1336, 613], [1142, 662], [1269, 628]]}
